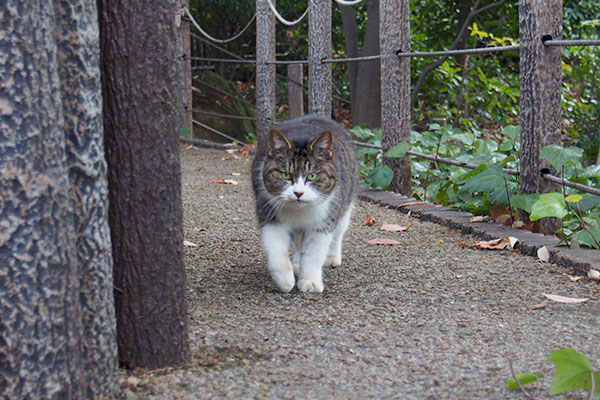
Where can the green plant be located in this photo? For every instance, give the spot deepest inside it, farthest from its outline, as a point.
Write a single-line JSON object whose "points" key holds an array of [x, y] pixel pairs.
{"points": [[573, 371], [477, 190]]}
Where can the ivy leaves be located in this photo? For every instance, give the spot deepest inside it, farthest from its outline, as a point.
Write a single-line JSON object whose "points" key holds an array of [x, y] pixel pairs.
{"points": [[572, 370]]}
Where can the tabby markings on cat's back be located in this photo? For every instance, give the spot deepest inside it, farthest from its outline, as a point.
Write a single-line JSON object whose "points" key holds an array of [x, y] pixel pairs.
{"points": [[304, 178]]}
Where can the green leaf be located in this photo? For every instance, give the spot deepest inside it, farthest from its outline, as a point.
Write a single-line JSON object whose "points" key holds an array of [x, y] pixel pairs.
{"points": [[572, 370], [559, 156], [184, 131], [588, 202], [511, 131], [492, 182], [584, 238], [505, 146], [380, 177], [524, 201], [399, 150], [525, 379], [549, 205], [593, 171], [573, 198]]}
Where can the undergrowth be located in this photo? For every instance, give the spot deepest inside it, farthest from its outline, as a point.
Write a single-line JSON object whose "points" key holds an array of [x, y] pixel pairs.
{"points": [[478, 190]]}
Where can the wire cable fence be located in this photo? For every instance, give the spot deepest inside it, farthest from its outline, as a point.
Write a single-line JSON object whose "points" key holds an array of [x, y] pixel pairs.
{"points": [[547, 41]]}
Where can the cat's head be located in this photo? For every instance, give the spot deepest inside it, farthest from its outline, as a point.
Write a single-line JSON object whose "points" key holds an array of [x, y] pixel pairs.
{"points": [[300, 171]]}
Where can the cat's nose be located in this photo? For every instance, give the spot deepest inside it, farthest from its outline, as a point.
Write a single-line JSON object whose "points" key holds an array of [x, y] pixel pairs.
{"points": [[298, 194]]}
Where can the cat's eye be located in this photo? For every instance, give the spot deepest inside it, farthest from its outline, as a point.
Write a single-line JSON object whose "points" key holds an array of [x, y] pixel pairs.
{"points": [[286, 175], [312, 176]]}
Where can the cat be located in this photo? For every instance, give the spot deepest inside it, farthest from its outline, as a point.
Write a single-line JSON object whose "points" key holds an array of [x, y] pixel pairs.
{"points": [[305, 178]]}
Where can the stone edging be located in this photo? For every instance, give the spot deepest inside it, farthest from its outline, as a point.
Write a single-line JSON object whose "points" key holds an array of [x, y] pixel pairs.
{"points": [[579, 261]]}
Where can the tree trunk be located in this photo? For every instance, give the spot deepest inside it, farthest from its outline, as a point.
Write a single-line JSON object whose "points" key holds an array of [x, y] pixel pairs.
{"points": [[265, 73], [319, 73], [541, 81], [364, 76], [57, 330], [464, 8], [395, 88], [351, 42], [142, 83]]}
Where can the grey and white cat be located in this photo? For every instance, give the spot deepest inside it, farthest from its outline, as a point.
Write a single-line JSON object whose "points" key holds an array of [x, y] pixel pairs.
{"points": [[304, 179]]}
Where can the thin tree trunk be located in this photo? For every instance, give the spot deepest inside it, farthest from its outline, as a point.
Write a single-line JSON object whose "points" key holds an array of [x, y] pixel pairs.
{"points": [[351, 42], [143, 111], [368, 91]]}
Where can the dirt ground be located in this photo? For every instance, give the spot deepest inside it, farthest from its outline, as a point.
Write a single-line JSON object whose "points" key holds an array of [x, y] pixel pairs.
{"points": [[422, 319]]}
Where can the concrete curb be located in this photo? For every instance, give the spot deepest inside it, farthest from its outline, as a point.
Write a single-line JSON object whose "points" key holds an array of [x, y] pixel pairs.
{"points": [[578, 261]]}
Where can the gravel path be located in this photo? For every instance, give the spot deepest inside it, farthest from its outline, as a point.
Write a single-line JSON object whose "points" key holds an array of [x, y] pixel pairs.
{"points": [[424, 319]]}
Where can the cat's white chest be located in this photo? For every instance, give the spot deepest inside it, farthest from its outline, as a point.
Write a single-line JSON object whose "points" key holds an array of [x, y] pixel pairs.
{"points": [[304, 215]]}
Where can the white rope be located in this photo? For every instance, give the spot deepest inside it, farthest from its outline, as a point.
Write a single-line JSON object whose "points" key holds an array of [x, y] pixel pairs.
{"points": [[231, 39], [283, 20], [348, 3]]}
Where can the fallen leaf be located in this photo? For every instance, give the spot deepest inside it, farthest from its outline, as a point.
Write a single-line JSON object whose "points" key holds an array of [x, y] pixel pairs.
{"points": [[594, 275], [512, 241], [225, 181], [413, 203], [563, 299], [393, 227], [369, 221], [575, 278], [496, 244], [543, 254], [236, 174], [462, 244], [480, 218], [187, 243], [538, 306], [382, 241]]}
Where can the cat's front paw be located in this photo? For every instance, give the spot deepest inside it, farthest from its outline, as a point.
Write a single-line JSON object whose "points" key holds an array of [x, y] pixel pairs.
{"points": [[284, 279], [333, 261], [307, 285]]}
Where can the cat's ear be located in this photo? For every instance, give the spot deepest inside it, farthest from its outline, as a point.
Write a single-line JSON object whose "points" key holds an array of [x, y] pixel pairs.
{"points": [[322, 145], [277, 140]]}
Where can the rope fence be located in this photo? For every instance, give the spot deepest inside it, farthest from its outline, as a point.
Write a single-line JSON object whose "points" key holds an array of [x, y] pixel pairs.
{"points": [[401, 54]]}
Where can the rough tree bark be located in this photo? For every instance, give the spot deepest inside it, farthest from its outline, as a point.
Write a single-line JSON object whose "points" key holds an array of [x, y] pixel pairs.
{"points": [[395, 87], [142, 84], [265, 73], [319, 47], [541, 81], [57, 330]]}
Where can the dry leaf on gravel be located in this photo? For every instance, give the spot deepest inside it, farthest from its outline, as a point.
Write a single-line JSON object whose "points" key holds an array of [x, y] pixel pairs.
{"points": [[496, 244], [563, 299], [236, 174], [393, 227], [187, 243], [382, 241], [413, 203], [594, 275], [480, 218], [369, 221], [225, 181], [543, 254]]}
